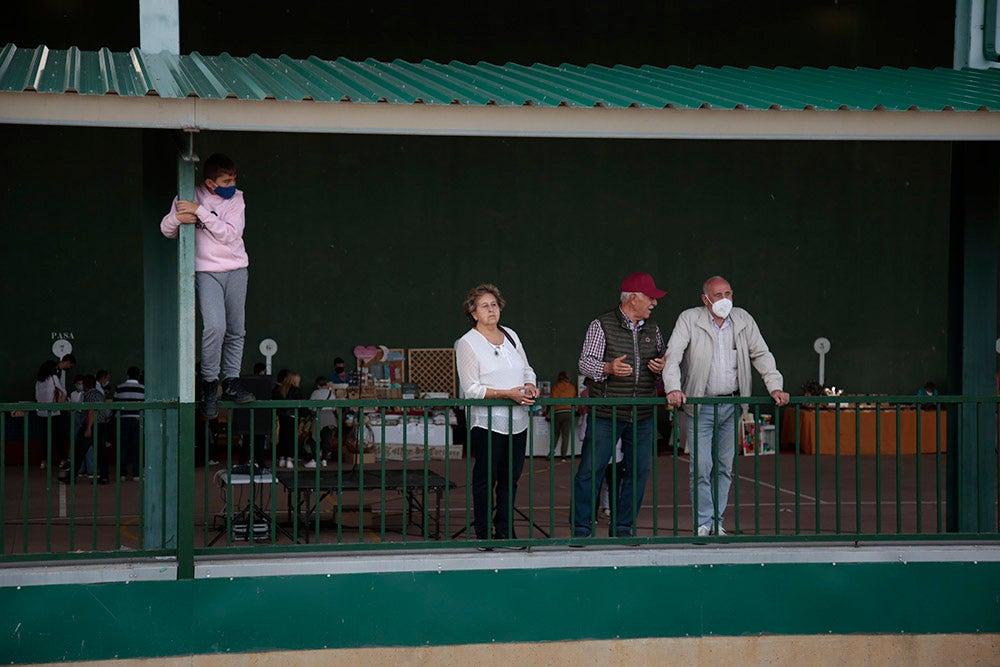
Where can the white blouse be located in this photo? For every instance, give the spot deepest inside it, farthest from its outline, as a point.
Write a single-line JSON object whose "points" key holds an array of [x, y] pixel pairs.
{"points": [[482, 366]]}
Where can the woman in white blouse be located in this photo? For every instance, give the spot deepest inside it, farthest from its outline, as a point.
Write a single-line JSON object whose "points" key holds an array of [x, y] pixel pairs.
{"points": [[492, 364]]}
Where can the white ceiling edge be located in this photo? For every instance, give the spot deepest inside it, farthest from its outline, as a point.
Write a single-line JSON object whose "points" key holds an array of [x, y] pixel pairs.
{"points": [[28, 108]]}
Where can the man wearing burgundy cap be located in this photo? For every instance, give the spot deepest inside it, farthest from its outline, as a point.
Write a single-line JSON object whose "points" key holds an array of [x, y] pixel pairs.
{"points": [[622, 357]]}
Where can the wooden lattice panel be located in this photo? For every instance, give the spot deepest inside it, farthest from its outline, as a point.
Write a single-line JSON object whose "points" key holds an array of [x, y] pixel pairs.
{"points": [[433, 369]]}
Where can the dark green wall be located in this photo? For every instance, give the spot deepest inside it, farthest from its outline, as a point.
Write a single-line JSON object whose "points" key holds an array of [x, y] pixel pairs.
{"points": [[225, 615], [375, 240]]}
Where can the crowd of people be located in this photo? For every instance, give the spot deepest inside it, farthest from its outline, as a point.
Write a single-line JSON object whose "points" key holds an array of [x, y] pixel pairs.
{"points": [[93, 433]]}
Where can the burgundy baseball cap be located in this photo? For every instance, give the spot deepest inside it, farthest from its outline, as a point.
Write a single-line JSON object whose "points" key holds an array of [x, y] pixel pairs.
{"points": [[642, 282]]}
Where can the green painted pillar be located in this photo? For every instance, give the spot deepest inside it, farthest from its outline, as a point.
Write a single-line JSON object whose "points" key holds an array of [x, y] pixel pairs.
{"points": [[186, 178], [160, 343], [168, 504], [973, 273]]}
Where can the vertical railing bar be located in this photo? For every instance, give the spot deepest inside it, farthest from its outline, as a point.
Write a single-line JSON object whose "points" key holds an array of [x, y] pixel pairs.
{"points": [[695, 482], [937, 465], [715, 467], [836, 467], [798, 451], [531, 472], [899, 472], [552, 461], [857, 468], [427, 468], [675, 428], [919, 468], [654, 467], [816, 468], [118, 480], [70, 484], [25, 498], [878, 468], [777, 470], [206, 477], [141, 520]]}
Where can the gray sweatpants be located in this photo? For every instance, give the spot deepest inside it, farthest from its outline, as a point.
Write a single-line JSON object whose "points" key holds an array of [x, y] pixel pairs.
{"points": [[222, 300]]}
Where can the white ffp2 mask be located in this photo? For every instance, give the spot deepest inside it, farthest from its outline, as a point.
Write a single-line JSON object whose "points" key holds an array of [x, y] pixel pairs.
{"points": [[722, 307]]}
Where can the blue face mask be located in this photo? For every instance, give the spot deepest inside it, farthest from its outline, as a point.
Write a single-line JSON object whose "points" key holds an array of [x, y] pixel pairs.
{"points": [[226, 193]]}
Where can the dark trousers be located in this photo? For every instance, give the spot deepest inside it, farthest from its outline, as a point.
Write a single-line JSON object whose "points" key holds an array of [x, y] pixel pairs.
{"points": [[130, 446], [96, 439], [499, 461]]}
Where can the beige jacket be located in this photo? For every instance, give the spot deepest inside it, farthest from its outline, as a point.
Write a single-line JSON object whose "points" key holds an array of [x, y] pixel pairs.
{"points": [[691, 348]]}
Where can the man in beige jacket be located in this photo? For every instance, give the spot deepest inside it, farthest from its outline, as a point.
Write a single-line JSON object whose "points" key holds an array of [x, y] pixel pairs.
{"points": [[710, 353]]}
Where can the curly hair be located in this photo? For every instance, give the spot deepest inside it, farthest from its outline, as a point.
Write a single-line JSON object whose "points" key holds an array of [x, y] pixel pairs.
{"points": [[475, 293]]}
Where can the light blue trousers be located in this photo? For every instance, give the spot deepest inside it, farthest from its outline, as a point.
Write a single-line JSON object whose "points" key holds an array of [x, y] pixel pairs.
{"points": [[710, 439]]}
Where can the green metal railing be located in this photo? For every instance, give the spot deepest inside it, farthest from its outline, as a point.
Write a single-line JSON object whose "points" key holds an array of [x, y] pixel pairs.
{"points": [[399, 476]]}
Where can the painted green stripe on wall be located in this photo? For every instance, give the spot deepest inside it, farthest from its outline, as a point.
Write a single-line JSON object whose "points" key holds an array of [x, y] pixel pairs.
{"points": [[159, 619]]}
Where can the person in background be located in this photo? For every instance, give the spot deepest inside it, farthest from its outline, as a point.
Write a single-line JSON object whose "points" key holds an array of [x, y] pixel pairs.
{"points": [[76, 395], [260, 368], [67, 363], [49, 389], [339, 372], [103, 379], [562, 415], [130, 390], [90, 427], [621, 357], [492, 364], [220, 264], [710, 353], [327, 419], [286, 388]]}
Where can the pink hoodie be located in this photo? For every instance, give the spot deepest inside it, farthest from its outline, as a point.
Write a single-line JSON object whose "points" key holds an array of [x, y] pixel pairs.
{"points": [[218, 234]]}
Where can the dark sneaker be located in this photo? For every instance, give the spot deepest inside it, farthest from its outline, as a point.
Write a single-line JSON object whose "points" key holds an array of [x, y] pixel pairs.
{"points": [[210, 399], [63, 475], [232, 391]]}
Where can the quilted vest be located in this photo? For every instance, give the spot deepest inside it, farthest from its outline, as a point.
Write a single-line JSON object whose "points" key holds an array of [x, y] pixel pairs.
{"points": [[619, 340]]}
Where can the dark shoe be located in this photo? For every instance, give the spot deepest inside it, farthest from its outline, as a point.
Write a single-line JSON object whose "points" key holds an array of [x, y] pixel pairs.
{"points": [[103, 481], [232, 391], [63, 475], [210, 399], [485, 548]]}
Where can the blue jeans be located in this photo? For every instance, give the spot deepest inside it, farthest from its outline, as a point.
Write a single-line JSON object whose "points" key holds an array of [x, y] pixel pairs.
{"points": [[598, 448], [709, 502]]}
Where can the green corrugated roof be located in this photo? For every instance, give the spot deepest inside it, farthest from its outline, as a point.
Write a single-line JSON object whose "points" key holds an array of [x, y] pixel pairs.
{"points": [[135, 74]]}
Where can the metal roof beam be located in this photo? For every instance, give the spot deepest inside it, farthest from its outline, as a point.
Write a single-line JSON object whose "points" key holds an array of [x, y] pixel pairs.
{"points": [[418, 119]]}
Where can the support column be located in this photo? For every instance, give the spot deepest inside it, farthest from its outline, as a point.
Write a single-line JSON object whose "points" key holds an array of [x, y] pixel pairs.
{"points": [[168, 503], [973, 272], [186, 175]]}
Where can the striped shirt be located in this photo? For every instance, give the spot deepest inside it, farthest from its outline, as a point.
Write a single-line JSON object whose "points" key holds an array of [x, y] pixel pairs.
{"points": [[130, 390]]}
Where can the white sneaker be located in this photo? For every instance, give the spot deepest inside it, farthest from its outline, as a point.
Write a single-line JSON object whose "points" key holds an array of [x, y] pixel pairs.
{"points": [[282, 461], [289, 463], [324, 463], [708, 530], [310, 464]]}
